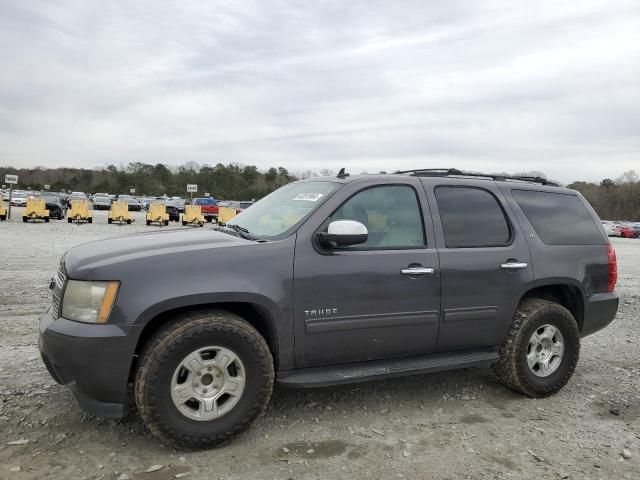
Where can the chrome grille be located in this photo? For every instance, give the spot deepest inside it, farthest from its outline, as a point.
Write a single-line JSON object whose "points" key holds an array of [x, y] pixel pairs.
{"points": [[58, 286]]}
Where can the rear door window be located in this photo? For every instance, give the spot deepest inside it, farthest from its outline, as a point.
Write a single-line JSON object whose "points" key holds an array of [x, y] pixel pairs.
{"points": [[471, 217], [558, 218]]}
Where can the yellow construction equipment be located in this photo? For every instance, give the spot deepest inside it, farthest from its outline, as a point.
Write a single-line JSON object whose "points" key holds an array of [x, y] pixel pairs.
{"points": [[36, 209], [225, 214], [79, 212], [119, 212], [157, 214], [3, 210], [192, 216]]}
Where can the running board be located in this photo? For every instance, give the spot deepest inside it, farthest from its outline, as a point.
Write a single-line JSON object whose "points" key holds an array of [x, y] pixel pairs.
{"points": [[388, 368]]}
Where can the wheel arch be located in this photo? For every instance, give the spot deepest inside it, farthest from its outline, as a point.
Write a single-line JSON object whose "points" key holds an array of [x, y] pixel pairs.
{"points": [[567, 295], [255, 314]]}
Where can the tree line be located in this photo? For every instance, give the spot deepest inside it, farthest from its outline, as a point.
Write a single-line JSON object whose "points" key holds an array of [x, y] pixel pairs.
{"points": [[617, 199], [228, 182]]}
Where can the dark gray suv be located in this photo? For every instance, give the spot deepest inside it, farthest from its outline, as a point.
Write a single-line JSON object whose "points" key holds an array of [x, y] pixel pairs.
{"points": [[328, 281]]}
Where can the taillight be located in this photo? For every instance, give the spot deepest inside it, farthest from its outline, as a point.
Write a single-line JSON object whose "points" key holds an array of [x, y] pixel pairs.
{"points": [[613, 268]]}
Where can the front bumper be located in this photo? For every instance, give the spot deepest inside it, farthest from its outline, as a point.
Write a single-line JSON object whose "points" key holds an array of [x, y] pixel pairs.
{"points": [[600, 310], [92, 360]]}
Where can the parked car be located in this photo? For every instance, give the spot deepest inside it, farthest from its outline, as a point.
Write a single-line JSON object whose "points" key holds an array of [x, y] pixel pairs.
{"points": [[609, 228], [239, 206], [56, 208], [146, 201], [175, 208], [133, 204], [625, 231], [101, 202], [19, 199], [208, 207], [327, 281]]}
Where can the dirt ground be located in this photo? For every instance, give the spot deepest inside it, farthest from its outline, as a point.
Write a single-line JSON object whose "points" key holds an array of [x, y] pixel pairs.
{"points": [[452, 425]]}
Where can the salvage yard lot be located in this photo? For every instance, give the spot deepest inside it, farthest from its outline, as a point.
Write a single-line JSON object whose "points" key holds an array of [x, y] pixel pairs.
{"points": [[459, 424]]}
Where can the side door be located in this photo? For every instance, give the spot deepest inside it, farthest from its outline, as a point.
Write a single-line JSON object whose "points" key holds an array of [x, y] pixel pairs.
{"points": [[376, 300], [485, 262]]}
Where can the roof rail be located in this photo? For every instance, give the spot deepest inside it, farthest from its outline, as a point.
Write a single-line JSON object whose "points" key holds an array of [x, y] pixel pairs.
{"points": [[454, 172]]}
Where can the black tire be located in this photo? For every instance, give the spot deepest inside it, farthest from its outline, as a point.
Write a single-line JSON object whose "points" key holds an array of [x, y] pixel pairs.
{"points": [[24, 219], [46, 219], [169, 346], [512, 368], [128, 222], [148, 222], [109, 220], [3, 217], [69, 220], [184, 224], [90, 220]]}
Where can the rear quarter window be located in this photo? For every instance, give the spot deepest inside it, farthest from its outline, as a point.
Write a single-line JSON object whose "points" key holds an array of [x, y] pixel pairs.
{"points": [[558, 218]]}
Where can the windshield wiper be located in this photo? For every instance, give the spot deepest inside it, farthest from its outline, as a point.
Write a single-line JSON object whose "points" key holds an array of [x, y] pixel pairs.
{"points": [[243, 232]]}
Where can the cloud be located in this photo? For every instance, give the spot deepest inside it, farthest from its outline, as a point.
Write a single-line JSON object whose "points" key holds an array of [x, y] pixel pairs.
{"points": [[506, 86]]}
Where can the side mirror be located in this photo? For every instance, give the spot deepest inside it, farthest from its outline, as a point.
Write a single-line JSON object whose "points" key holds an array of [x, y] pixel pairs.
{"points": [[343, 233]]}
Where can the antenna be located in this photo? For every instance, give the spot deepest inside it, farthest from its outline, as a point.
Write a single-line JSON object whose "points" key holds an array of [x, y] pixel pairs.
{"points": [[342, 174]]}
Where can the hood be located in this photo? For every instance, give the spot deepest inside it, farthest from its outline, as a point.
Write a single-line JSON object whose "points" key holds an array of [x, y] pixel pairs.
{"points": [[83, 260]]}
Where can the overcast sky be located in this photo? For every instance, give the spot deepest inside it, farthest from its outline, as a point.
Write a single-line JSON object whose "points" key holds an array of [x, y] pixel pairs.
{"points": [[369, 85]]}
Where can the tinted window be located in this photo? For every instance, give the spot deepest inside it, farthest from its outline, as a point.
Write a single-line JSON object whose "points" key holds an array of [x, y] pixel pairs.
{"points": [[390, 213], [471, 217], [558, 219]]}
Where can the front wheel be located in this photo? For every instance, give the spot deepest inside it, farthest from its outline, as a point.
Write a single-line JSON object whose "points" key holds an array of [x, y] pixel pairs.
{"points": [[541, 349], [203, 378]]}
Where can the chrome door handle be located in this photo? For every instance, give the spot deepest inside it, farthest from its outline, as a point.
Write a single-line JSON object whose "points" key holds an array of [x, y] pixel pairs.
{"points": [[514, 265], [417, 271]]}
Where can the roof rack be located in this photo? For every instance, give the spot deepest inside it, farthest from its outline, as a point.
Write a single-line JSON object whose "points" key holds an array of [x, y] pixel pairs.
{"points": [[454, 172]]}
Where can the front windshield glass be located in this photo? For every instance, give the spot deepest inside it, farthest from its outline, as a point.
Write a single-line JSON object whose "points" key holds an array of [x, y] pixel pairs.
{"points": [[283, 209]]}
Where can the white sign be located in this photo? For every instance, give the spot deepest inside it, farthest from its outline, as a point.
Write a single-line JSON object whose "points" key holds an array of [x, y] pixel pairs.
{"points": [[13, 179], [206, 194], [309, 197], [192, 187], [47, 187], [132, 191]]}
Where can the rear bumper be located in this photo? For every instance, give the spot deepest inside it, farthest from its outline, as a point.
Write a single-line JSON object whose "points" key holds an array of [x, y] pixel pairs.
{"points": [[600, 310], [92, 360]]}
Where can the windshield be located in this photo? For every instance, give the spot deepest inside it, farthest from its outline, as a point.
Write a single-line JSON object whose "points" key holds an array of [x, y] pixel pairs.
{"points": [[284, 209]]}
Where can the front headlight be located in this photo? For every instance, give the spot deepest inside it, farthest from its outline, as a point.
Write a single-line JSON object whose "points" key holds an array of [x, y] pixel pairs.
{"points": [[89, 302]]}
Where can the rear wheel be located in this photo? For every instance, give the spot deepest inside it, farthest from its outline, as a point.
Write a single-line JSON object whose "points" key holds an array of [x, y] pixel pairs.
{"points": [[46, 219], [541, 350], [148, 222], [203, 378], [109, 220]]}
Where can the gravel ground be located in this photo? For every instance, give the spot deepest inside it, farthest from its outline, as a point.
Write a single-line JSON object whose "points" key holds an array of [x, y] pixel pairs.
{"points": [[451, 425]]}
